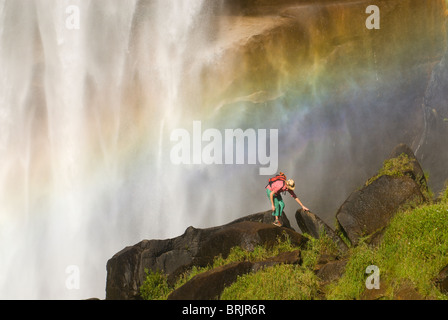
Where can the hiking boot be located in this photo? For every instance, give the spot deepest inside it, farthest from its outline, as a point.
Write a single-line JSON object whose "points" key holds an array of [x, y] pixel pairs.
{"points": [[277, 223]]}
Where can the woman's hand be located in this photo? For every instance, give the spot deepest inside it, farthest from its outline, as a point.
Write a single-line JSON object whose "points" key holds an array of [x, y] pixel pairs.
{"points": [[273, 208], [301, 204]]}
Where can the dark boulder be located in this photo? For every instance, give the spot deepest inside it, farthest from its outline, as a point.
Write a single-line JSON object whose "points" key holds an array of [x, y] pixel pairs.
{"points": [[210, 284], [196, 247], [311, 224], [368, 210]]}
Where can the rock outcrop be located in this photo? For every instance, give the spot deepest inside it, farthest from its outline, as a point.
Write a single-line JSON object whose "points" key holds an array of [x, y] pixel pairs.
{"points": [[311, 224], [196, 247], [368, 211], [209, 285]]}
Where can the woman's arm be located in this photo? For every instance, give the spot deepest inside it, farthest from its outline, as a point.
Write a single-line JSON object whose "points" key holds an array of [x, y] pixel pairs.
{"points": [[299, 202]]}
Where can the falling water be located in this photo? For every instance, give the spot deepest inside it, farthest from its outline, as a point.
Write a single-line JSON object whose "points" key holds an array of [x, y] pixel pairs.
{"points": [[80, 176]]}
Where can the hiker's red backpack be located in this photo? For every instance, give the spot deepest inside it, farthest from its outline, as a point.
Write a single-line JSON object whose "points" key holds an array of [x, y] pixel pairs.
{"points": [[280, 177]]}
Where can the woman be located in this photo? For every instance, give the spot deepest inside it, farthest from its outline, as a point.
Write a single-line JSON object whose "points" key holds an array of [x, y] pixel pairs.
{"points": [[274, 190]]}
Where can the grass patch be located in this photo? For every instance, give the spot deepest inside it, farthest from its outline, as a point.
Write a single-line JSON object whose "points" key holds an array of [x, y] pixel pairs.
{"points": [[415, 246], [155, 286], [284, 282], [315, 248], [281, 282], [414, 249], [237, 254], [352, 283]]}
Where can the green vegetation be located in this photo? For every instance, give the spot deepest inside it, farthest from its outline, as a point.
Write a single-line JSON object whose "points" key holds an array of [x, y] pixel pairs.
{"points": [[352, 284], [155, 286], [400, 167], [281, 282], [395, 167], [415, 246], [413, 250], [284, 282], [237, 254], [315, 248]]}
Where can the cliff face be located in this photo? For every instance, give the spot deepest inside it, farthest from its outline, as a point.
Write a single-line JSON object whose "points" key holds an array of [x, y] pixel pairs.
{"points": [[270, 48]]}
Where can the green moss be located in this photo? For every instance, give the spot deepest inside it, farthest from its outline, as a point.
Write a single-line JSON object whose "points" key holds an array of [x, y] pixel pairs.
{"points": [[395, 167], [399, 167]]}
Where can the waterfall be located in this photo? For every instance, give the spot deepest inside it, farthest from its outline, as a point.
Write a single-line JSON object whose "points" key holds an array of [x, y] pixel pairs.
{"points": [[85, 113]]}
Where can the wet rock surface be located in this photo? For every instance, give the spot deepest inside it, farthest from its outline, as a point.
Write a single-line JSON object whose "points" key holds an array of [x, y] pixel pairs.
{"points": [[196, 247]]}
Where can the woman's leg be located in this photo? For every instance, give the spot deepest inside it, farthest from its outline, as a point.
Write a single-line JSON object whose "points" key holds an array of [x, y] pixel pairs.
{"points": [[276, 204]]}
